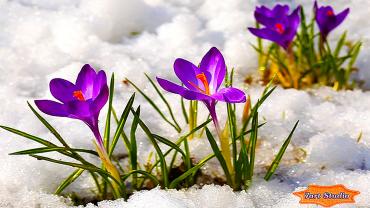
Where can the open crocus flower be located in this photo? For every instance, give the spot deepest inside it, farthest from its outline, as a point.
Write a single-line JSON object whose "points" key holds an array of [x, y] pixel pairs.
{"points": [[203, 83], [327, 20], [280, 27], [82, 100]]}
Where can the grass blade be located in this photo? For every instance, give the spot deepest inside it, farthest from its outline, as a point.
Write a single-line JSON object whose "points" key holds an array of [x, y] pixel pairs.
{"points": [[29, 136], [121, 124], [70, 179], [150, 101], [109, 113], [164, 100], [189, 172], [218, 155], [51, 149], [280, 154], [133, 148]]}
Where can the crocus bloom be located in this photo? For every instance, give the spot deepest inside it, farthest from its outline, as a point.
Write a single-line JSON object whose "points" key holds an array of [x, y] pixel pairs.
{"points": [[327, 20], [82, 100], [203, 83], [279, 26]]}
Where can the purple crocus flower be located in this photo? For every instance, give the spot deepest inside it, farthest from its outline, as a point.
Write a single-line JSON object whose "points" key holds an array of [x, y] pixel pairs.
{"points": [[279, 26], [82, 100], [327, 20], [203, 83]]}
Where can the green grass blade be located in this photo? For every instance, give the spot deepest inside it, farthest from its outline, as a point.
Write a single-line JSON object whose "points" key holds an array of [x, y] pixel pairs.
{"points": [[169, 143], [165, 101], [218, 155], [48, 126], [133, 148], [189, 172], [150, 101], [70, 179], [146, 174], [164, 170], [51, 149], [109, 113], [121, 124], [253, 144], [340, 44], [184, 113], [274, 165], [29, 136]]}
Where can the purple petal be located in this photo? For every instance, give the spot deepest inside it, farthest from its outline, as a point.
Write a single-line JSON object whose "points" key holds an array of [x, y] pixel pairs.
{"points": [[214, 63], [269, 17], [62, 89], [101, 99], [170, 86], [186, 72], [79, 109], [85, 80], [230, 95], [177, 89], [100, 82], [293, 23], [341, 16], [51, 108], [271, 35]]}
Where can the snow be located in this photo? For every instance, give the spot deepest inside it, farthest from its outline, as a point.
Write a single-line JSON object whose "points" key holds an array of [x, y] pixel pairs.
{"points": [[41, 40]]}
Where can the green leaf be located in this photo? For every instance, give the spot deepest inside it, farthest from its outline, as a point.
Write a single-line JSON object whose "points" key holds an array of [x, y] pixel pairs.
{"points": [[146, 174], [189, 172], [218, 155], [133, 148], [184, 113], [340, 44], [121, 124], [70, 179], [253, 144], [29, 136], [51, 149], [165, 101], [274, 165], [162, 159], [109, 113], [150, 101], [48, 126], [169, 143]]}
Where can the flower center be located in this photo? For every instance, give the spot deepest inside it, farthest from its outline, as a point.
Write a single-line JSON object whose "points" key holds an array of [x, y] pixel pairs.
{"points": [[78, 95], [279, 28], [330, 13], [202, 77]]}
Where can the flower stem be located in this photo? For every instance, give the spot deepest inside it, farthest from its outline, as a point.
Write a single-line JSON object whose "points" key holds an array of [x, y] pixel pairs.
{"points": [[116, 185], [224, 140]]}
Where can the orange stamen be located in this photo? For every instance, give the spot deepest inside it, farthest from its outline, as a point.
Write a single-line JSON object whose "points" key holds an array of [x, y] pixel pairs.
{"points": [[279, 28], [202, 77], [78, 95], [330, 13]]}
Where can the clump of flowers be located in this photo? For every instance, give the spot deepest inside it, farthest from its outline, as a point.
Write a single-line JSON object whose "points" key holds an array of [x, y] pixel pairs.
{"points": [[298, 55], [84, 100]]}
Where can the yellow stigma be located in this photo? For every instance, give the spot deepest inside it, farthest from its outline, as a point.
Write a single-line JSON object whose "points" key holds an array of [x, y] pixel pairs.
{"points": [[202, 77]]}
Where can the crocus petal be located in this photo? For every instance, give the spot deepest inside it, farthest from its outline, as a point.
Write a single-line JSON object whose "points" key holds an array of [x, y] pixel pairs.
{"points": [[177, 89], [79, 109], [230, 95], [341, 16], [101, 99], [214, 63], [293, 24], [62, 89], [100, 82], [51, 108], [170, 86], [271, 35], [186, 72], [85, 80], [269, 17]]}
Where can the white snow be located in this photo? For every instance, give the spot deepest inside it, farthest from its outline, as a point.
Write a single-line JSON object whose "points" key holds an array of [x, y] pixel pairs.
{"points": [[41, 40]]}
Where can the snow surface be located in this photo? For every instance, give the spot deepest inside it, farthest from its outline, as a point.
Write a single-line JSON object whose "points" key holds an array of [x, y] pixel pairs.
{"points": [[41, 40]]}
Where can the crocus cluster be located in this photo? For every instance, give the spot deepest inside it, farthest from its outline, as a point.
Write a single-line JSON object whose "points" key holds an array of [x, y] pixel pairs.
{"points": [[281, 27]]}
